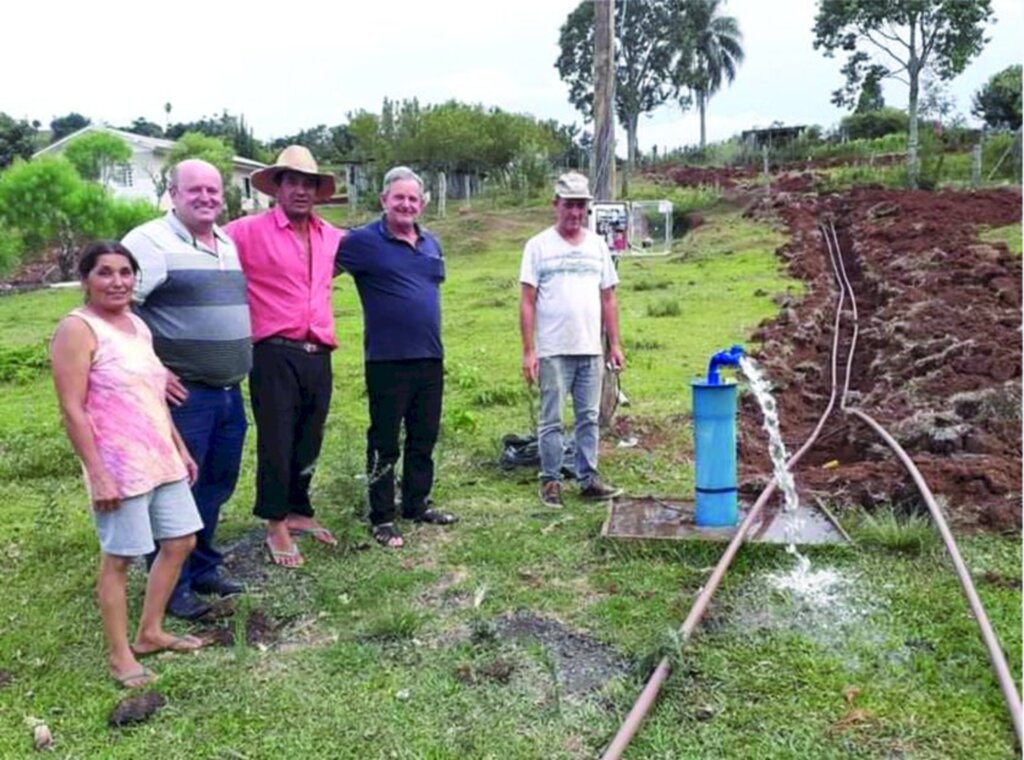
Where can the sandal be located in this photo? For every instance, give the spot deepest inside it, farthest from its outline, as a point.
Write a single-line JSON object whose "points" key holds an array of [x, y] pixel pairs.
{"points": [[320, 534], [387, 535], [136, 679], [179, 644], [284, 557], [435, 517]]}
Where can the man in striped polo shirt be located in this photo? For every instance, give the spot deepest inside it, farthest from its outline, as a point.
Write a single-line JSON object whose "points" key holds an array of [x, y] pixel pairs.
{"points": [[191, 293]]}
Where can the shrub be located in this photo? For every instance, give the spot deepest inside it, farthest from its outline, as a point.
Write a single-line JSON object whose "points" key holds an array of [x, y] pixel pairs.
{"points": [[54, 207], [884, 121], [12, 246], [664, 308]]}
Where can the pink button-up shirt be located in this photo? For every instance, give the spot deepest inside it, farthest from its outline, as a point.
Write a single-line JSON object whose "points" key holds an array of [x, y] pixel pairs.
{"points": [[287, 297]]}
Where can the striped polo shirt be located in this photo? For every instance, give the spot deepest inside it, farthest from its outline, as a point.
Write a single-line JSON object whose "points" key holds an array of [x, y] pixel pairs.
{"points": [[193, 300]]}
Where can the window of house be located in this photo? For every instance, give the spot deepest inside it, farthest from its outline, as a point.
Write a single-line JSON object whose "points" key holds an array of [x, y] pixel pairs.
{"points": [[122, 175], [246, 187]]}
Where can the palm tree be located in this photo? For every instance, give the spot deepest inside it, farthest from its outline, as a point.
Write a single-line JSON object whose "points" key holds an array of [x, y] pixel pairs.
{"points": [[711, 52]]}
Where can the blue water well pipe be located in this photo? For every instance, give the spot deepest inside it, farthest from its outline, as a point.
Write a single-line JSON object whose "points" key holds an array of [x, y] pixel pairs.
{"points": [[714, 442]]}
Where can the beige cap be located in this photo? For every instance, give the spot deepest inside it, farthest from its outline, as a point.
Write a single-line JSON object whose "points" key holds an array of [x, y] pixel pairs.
{"points": [[573, 185]]}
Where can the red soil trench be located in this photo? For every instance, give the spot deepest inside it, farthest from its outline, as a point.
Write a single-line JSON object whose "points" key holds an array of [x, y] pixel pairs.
{"points": [[938, 358]]}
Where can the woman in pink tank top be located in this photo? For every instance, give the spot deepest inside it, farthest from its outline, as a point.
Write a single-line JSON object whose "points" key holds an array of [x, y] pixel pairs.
{"points": [[111, 388]]}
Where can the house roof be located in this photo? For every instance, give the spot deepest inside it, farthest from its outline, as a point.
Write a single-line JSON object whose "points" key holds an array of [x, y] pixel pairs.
{"points": [[154, 144]]}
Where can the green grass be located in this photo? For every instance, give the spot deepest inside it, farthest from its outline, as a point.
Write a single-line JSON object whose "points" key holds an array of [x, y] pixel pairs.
{"points": [[1010, 235], [885, 529], [386, 654]]}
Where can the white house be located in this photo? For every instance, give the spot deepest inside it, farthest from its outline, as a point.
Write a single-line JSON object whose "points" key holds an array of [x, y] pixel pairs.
{"points": [[139, 177]]}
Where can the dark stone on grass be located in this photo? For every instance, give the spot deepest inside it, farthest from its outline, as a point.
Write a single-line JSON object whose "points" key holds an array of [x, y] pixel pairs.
{"points": [[136, 708], [6, 678]]}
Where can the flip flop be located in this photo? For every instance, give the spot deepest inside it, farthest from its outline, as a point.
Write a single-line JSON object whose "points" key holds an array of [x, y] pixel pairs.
{"points": [[179, 644], [125, 681], [276, 556], [320, 534]]}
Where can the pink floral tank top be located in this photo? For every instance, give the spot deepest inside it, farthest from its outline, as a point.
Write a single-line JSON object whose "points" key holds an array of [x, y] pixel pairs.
{"points": [[127, 408]]}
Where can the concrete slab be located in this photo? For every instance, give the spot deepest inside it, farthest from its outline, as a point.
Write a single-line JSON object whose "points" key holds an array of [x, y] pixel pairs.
{"points": [[669, 518]]}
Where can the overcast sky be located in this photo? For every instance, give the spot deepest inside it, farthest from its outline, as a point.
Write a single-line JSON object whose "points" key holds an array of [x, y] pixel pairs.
{"points": [[294, 65]]}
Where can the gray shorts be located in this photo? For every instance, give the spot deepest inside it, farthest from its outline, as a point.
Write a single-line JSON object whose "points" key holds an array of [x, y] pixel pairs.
{"points": [[168, 511]]}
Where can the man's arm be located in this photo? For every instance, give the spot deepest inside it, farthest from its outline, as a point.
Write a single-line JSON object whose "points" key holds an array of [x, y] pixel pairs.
{"points": [[527, 323], [610, 321]]}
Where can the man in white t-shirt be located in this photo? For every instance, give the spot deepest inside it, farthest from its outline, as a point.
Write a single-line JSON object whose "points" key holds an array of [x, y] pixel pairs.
{"points": [[568, 295]]}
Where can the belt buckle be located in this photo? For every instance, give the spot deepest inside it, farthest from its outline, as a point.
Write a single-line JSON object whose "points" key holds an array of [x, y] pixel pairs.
{"points": [[309, 348]]}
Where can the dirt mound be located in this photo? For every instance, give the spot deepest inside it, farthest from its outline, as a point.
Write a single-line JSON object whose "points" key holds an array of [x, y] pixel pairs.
{"points": [[693, 176], [939, 353]]}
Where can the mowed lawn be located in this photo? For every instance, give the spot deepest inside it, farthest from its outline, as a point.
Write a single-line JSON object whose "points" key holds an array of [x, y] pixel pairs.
{"points": [[423, 653]]}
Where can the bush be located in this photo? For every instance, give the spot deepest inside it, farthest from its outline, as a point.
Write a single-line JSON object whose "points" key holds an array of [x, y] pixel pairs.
{"points": [[53, 206], [128, 214], [22, 364], [884, 121], [12, 247]]}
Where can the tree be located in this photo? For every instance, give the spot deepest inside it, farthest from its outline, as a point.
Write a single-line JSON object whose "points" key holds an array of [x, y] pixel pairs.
{"points": [[998, 102], [50, 205], [871, 98], [16, 139], [327, 144], [63, 126], [97, 154], [644, 56], [711, 51], [906, 37], [145, 127]]}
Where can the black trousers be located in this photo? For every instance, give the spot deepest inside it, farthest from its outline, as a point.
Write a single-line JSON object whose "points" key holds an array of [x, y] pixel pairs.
{"points": [[291, 393], [402, 392]]}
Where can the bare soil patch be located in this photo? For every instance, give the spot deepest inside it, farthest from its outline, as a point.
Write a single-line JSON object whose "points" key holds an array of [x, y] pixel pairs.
{"points": [[938, 359], [582, 665]]}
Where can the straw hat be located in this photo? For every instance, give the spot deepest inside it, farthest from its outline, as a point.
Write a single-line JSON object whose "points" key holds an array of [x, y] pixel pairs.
{"points": [[294, 158]]}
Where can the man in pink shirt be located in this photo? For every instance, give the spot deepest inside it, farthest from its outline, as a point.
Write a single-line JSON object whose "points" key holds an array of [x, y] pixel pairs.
{"points": [[287, 254]]}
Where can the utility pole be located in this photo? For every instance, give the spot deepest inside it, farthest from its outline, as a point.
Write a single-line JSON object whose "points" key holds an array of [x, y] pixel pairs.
{"points": [[602, 167]]}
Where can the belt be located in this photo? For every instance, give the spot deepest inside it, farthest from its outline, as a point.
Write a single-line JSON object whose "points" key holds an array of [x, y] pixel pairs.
{"points": [[301, 345]]}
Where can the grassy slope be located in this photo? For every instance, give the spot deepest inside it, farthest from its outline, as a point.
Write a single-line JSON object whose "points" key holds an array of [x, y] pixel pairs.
{"points": [[381, 636]]}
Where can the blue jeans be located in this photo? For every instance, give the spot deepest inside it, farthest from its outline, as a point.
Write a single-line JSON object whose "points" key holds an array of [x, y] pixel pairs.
{"points": [[212, 424], [560, 376]]}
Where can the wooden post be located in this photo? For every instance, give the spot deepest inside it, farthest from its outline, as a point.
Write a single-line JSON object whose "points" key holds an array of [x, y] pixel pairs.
{"points": [[442, 194], [767, 176], [603, 159], [976, 165]]}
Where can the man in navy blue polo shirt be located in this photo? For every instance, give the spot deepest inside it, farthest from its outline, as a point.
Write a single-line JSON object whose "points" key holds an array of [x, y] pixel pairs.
{"points": [[398, 268]]}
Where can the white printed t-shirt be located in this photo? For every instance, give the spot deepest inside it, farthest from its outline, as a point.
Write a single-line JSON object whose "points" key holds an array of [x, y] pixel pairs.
{"points": [[569, 279]]}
